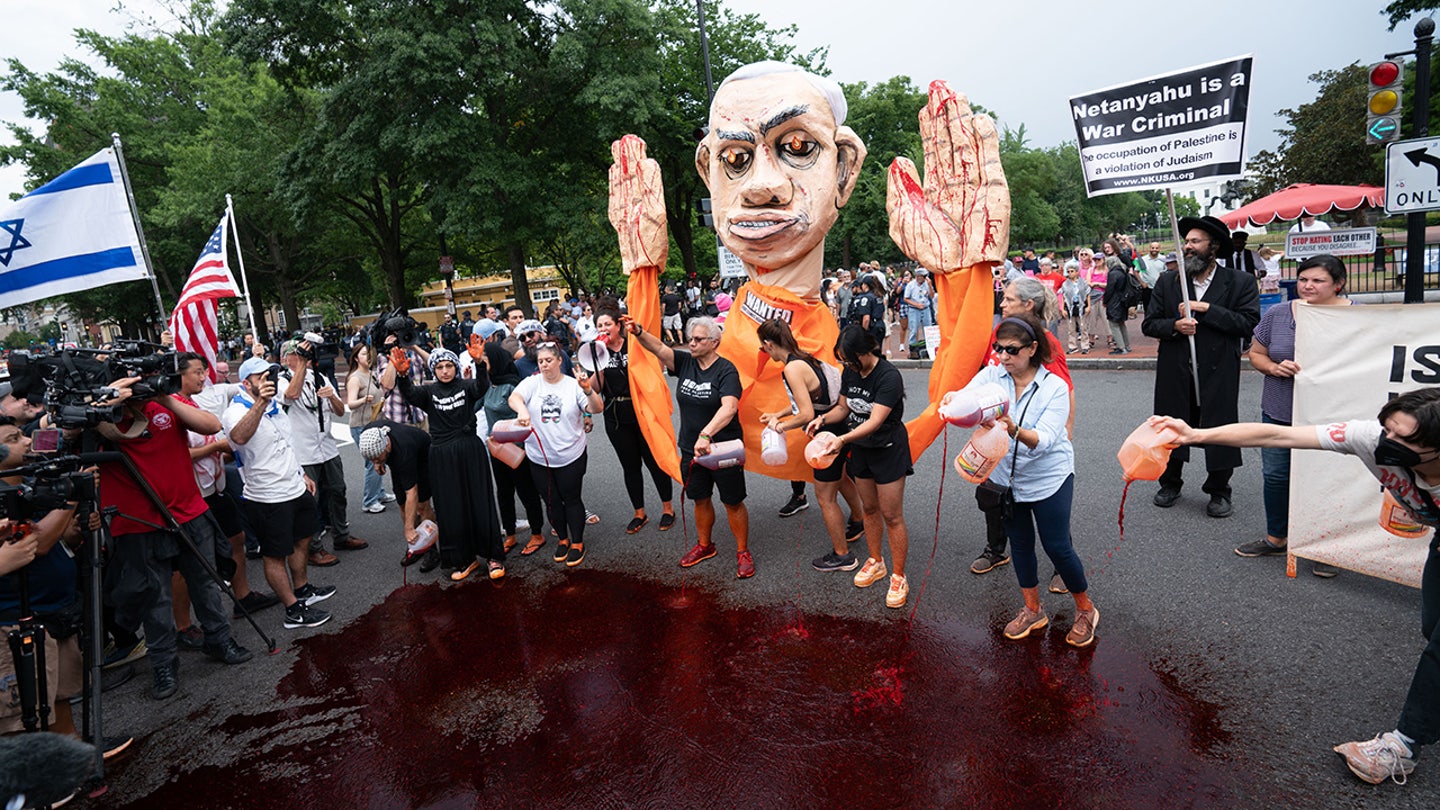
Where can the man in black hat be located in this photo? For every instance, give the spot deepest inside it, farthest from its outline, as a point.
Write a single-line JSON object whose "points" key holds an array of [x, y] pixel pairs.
{"points": [[1242, 258], [1224, 308]]}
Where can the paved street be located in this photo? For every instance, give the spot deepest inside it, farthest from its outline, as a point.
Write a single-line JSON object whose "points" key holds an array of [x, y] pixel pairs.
{"points": [[1244, 677]]}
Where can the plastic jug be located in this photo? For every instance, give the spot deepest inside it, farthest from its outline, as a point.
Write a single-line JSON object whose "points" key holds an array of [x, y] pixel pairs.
{"points": [[509, 453], [772, 448], [987, 446], [1397, 520], [428, 531], [507, 431], [1145, 452], [814, 451], [969, 407], [723, 454]]}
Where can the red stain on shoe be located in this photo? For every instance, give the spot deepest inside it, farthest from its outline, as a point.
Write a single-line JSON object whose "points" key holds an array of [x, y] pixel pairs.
{"points": [[601, 691]]}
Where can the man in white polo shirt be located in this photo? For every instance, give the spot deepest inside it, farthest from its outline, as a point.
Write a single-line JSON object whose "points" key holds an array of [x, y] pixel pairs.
{"points": [[279, 497]]}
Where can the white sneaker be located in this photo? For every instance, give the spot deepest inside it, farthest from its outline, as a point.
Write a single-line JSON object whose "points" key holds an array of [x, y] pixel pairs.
{"points": [[1384, 757], [870, 573], [387, 497], [376, 508]]}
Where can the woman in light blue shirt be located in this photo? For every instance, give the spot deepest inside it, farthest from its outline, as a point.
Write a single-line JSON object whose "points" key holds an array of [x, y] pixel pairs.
{"points": [[1038, 474]]}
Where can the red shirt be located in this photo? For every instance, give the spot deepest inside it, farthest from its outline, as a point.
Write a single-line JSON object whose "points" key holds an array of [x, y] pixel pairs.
{"points": [[1056, 366], [1054, 279], [162, 457]]}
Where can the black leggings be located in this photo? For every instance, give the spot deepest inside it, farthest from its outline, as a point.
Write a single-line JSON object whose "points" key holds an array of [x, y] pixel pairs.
{"points": [[508, 484], [560, 487], [631, 449]]}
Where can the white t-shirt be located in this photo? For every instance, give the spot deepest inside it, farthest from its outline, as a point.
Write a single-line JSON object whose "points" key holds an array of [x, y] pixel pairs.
{"points": [[1359, 438], [311, 438], [267, 463], [557, 417], [1317, 225], [216, 398]]}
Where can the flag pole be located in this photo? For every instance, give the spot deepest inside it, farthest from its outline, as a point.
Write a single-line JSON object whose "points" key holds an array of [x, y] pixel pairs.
{"points": [[139, 231], [240, 260], [1184, 289]]}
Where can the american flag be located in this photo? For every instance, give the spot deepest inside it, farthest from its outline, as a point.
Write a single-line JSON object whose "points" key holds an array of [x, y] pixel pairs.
{"points": [[194, 323]]}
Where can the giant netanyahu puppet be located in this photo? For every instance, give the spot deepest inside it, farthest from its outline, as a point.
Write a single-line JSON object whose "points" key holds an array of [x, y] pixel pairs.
{"points": [[780, 164]]}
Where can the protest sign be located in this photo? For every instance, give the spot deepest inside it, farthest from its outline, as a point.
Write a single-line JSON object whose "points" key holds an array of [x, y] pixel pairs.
{"points": [[1166, 130], [1347, 242]]}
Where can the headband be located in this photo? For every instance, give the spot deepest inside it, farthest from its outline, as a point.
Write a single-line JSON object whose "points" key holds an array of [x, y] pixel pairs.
{"points": [[1022, 324]]}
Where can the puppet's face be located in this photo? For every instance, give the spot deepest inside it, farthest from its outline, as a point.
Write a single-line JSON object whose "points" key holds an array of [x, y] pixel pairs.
{"points": [[778, 168]]}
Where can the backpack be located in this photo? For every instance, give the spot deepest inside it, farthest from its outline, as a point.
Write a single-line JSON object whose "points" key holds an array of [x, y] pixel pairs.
{"points": [[1129, 294]]}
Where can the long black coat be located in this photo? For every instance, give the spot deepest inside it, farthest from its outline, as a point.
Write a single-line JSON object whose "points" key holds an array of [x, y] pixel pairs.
{"points": [[1220, 332]]}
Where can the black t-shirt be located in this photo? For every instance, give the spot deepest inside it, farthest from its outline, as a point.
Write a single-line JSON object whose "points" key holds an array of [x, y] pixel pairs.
{"points": [[698, 395], [502, 364], [409, 461], [885, 387], [451, 406], [671, 301]]}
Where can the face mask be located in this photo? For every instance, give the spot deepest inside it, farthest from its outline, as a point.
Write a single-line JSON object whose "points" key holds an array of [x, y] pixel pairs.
{"points": [[1390, 453]]}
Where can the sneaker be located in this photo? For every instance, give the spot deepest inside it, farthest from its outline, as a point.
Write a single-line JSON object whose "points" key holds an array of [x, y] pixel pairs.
{"points": [[1219, 507], [312, 594], [191, 638], [167, 680], [854, 530], [898, 593], [117, 657], [496, 569], [1024, 622], [387, 497], [698, 554], [302, 615], [562, 551], [988, 561], [1057, 584], [1324, 570], [228, 653], [1259, 548], [1082, 632], [836, 562], [794, 506], [576, 555], [1385, 757], [464, 573], [256, 601], [375, 508], [1166, 497], [744, 565], [667, 521], [870, 573]]}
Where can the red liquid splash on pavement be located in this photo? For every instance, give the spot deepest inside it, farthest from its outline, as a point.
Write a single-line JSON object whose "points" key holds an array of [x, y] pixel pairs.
{"points": [[594, 693]]}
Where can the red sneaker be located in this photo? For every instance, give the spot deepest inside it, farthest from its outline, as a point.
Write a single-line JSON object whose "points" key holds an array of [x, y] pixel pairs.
{"points": [[744, 565], [699, 553]]}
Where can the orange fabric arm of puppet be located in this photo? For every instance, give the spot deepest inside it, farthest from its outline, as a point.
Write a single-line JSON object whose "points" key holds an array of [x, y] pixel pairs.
{"points": [[648, 389], [965, 300]]}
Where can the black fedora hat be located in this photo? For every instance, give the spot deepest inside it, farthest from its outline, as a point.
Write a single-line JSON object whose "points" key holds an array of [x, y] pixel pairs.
{"points": [[1218, 231]]}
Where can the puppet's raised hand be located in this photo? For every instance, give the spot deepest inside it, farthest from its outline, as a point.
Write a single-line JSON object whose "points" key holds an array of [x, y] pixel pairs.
{"points": [[637, 206], [960, 217]]}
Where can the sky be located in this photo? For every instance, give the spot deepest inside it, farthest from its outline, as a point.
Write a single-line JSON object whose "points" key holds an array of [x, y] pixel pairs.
{"points": [[1023, 59]]}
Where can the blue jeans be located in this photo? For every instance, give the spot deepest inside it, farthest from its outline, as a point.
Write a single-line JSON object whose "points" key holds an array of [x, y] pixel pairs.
{"points": [[1051, 517], [915, 322], [1275, 467], [373, 484], [1420, 719]]}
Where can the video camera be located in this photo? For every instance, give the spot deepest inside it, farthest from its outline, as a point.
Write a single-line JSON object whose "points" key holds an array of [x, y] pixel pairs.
{"points": [[49, 484], [407, 331], [73, 382]]}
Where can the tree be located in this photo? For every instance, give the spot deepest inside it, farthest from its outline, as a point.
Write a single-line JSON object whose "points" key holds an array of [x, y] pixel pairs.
{"points": [[885, 116], [1324, 140], [1401, 10]]}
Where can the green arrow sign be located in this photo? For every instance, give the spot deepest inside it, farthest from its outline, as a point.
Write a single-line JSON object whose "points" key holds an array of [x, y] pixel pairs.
{"points": [[1383, 128]]}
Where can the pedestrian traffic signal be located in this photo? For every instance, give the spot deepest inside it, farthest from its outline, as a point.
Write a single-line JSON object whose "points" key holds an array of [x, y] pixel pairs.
{"points": [[706, 219], [1382, 121]]}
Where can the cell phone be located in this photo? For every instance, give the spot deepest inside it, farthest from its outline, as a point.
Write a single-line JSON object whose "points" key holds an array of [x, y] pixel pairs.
{"points": [[45, 441], [274, 373]]}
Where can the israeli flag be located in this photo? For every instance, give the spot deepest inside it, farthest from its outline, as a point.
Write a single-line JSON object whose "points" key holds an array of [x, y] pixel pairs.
{"points": [[73, 233]]}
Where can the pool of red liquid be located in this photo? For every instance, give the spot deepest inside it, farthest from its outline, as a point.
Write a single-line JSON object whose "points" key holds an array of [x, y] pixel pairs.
{"points": [[608, 691]]}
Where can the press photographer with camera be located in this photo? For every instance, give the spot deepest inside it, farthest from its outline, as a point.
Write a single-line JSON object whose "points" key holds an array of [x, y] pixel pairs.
{"points": [[153, 435], [279, 497], [407, 334], [311, 401]]}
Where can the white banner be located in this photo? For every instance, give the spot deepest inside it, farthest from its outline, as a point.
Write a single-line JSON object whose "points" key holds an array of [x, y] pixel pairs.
{"points": [[1352, 361], [1166, 130], [1347, 242]]}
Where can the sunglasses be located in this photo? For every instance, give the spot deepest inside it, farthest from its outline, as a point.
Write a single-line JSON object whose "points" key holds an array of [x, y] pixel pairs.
{"points": [[693, 339], [1000, 348]]}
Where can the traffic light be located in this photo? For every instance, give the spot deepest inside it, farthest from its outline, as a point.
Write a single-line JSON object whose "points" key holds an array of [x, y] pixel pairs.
{"points": [[1382, 122], [706, 219]]}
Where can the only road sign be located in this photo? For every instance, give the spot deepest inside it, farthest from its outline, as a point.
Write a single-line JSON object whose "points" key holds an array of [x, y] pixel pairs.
{"points": [[1412, 176]]}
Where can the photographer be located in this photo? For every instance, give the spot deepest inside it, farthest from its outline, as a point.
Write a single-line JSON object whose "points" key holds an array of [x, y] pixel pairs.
{"points": [[23, 410], [154, 436], [310, 400], [279, 497]]}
